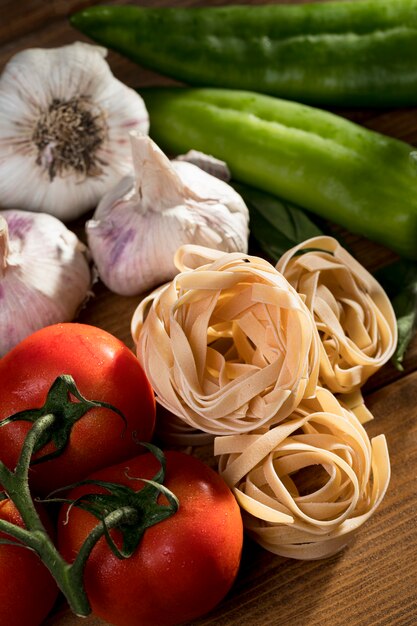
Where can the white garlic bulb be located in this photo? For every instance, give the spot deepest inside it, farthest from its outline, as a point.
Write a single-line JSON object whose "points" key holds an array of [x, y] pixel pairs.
{"points": [[139, 225], [44, 274], [64, 122]]}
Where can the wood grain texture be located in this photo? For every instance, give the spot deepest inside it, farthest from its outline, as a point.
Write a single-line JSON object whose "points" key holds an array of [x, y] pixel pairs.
{"points": [[374, 582]]}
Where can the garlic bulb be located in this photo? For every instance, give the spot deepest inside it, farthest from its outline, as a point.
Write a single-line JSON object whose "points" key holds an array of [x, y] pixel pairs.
{"points": [[64, 122], [139, 225], [228, 345], [319, 520], [44, 274], [353, 314]]}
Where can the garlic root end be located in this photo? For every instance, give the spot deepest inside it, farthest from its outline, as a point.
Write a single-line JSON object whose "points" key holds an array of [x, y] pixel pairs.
{"points": [[4, 245]]}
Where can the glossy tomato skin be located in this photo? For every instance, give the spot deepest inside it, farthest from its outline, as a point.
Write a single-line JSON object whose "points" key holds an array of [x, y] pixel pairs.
{"points": [[103, 369], [27, 589], [184, 565]]}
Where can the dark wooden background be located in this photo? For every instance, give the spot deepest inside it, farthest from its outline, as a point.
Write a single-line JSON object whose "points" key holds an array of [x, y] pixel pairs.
{"points": [[374, 582]]}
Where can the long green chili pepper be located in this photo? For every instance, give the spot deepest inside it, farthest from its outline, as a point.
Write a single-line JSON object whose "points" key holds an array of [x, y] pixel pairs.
{"points": [[336, 53], [358, 178]]}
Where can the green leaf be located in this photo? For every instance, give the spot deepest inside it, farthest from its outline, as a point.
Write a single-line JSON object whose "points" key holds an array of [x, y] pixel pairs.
{"points": [[399, 279], [276, 225]]}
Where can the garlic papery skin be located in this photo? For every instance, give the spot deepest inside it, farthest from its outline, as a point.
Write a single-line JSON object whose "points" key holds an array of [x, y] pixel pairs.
{"points": [[138, 226], [44, 274], [208, 163], [64, 129]]}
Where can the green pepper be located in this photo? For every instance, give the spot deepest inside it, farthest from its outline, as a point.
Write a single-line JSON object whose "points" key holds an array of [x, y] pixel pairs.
{"points": [[336, 53], [358, 178]]}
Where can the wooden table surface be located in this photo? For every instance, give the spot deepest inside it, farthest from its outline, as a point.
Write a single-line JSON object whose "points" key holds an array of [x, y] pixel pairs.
{"points": [[374, 582]]}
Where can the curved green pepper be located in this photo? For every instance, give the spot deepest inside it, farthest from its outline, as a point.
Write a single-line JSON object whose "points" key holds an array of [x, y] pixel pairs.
{"points": [[358, 178], [336, 53]]}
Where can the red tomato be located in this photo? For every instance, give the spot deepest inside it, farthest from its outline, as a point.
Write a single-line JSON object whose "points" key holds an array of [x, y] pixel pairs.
{"points": [[183, 566], [27, 590], [103, 369]]}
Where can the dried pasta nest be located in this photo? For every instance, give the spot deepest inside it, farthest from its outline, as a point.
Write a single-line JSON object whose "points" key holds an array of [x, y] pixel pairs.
{"points": [[307, 484], [353, 314], [228, 345], [174, 432]]}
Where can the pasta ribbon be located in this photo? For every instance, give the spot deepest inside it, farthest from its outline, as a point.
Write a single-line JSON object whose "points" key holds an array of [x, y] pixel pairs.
{"points": [[291, 508], [353, 314], [228, 345]]}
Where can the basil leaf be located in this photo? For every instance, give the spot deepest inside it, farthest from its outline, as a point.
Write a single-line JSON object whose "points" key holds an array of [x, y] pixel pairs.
{"points": [[399, 279], [276, 225]]}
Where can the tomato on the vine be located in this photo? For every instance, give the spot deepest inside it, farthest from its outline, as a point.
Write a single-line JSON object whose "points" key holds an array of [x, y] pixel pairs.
{"points": [[104, 369], [183, 566], [27, 589]]}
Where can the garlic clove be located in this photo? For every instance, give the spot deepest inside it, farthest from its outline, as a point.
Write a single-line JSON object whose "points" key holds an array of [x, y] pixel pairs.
{"points": [[64, 123], [208, 163], [44, 274], [138, 226], [157, 184], [212, 195]]}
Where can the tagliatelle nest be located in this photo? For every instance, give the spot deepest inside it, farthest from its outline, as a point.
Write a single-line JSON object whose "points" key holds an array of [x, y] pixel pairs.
{"points": [[171, 430], [228, 345], [262, 469], [352, 312]]}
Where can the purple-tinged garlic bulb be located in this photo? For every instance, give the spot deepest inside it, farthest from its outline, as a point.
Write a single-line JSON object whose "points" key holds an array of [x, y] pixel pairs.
{"points": [[138, 226], [44, 274]]}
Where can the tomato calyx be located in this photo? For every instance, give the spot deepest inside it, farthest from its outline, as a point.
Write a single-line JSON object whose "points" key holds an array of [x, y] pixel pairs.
{"points": [[33, 534], [52, 423], [66, 413], [142, 507]]}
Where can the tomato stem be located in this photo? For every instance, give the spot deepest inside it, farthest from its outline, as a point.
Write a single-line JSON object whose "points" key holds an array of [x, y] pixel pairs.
{"points": [[16, 483], [115, 518], [69, 577], [65, 412]]}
